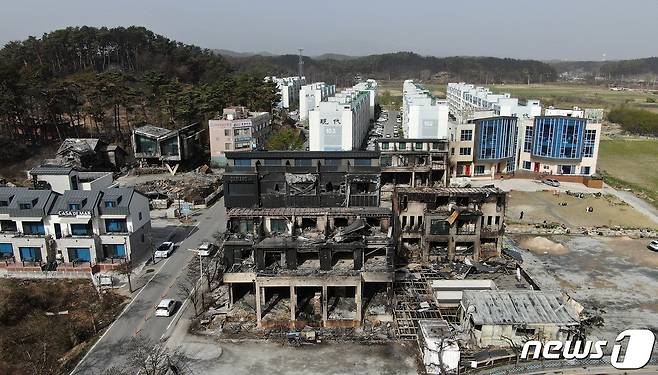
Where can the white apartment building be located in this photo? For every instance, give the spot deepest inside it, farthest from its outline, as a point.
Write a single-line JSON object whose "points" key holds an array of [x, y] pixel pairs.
{"points": [[288, 89], [90, 230], [370, 85], [423, 115], [464, 99], [341, 122], [311, 95]]}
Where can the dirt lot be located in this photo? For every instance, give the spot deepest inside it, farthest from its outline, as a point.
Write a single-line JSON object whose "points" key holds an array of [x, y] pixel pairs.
{"points": [[46, 324], [608, 210], [616, 278]]}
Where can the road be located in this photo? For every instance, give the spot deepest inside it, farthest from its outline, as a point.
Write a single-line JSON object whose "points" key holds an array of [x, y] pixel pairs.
{"points": [[389, 125], [138, 317]]}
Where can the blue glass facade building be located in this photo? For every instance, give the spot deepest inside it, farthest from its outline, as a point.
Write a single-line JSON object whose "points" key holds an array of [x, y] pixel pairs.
{"points": [[495, 138], [558, 137]]}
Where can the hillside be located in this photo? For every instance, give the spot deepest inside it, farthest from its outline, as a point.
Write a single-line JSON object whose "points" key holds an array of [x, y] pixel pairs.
{"points": [[615, 69], [398, 66], [100, 82]]}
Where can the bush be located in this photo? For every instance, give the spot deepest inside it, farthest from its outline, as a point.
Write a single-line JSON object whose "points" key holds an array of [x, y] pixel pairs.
{"points": [[636, 121]]}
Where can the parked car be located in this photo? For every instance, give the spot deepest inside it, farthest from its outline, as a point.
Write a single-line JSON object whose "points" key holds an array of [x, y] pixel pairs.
{"points": [[164, 250], [166, 307], [551, 182], [206, 249], [653, 245]]}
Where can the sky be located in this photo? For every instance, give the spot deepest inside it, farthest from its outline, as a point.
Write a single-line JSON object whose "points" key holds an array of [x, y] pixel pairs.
{"points": [[536, 29]]}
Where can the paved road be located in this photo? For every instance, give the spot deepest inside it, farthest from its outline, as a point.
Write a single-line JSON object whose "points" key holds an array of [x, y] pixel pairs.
{"points": [[138, 317], [389, 125]]}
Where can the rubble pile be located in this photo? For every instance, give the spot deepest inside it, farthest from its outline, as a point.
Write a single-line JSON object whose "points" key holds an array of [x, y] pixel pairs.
{"points": [[193, 187], [557, 229]]}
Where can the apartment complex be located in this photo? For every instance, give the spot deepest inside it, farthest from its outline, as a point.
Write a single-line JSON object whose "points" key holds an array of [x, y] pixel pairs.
{"points": [[288, 88], [88, 230], [311, 95], [237, 130], [306, 237], [423, 114], [341, 122], [495, 133]]}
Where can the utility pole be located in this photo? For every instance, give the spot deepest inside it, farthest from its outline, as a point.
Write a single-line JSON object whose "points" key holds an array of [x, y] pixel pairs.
{"points": [[301, 63]]}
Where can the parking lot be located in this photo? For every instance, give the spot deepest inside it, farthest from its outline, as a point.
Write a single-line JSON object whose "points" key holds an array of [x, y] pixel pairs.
{"points": [[386, 126]]}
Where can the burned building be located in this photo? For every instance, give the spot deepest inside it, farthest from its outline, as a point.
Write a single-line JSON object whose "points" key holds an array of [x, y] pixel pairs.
{"points": [[447, 223], [301, 252], [302, 179], [88, 154], [414, 162], [155, 145]]}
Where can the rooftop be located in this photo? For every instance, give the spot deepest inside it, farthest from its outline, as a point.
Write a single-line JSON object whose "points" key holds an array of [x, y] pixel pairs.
{"points": [[311, 211], [519, 307], [153, 131]]}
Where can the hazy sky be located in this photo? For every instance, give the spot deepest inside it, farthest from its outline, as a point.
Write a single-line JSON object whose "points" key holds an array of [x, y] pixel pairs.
{"points": [[540, 29]]}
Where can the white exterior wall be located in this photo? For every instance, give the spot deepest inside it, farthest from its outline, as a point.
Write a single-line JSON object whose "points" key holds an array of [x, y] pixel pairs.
{"points": [[424, 116], [311, 95], [341, 123], [288, 89]]}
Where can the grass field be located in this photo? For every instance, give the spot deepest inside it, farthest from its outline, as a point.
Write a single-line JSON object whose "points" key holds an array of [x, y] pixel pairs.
{"points": [[631, 163]]}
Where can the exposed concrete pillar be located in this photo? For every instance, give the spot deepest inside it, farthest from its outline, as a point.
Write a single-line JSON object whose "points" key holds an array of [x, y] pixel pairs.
{"points": [[413, 179], [230, 295], [259, 307], [476, 250], [451, 248], [325, 302], [293, 303], [358, 300], [425, 249]]}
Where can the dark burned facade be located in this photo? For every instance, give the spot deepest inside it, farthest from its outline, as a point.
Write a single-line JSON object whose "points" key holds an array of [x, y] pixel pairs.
{"points": [[302, 179], [447, 223], [307, 241], [414, 162]]}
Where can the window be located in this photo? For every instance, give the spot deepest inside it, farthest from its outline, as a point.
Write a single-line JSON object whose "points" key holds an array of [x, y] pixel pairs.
{"points": [[33, 228], [227, 133], [589, 142], [402, 146], [419, 146], [466, 135], [110, 204], [567, 169], [303, 162], [4, 203], [25, 206], [242, 162], [278, 225], [464, 151], [116, 226], [479, 169], [527, 142], [140, 216], [385, 161], [384, 145], [435, 145], [527, 165], [362, 162], [497, 220], [74, 206], [81, 229], [452, 151], [227, 146], [585, 170]]}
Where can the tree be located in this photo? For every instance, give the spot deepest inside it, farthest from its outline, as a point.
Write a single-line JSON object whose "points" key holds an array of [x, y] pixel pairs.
{"points": [[188, 285], [126, 269], [148, 357], [286, 138]]}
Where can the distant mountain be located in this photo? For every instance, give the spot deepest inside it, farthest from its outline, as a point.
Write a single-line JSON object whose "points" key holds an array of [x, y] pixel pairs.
{"points": [[616, 68], [229, 53], [398, 66], [334, 56]]}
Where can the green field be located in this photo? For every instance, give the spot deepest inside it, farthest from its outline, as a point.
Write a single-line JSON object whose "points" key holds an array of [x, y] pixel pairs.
{"points": [[631, 163]]}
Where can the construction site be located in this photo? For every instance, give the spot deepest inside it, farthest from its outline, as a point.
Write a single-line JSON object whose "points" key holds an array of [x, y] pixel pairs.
{"points": [[314, 252]]}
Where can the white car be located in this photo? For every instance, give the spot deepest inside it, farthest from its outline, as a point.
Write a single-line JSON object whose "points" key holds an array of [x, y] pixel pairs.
{"points": [[166, 307], [206, 249], [653, 245], [164, 250]]}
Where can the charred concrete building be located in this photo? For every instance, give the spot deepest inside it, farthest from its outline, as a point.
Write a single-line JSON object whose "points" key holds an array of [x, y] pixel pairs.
{"points": [[414, 162], [447, 223], [307, 243]]}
